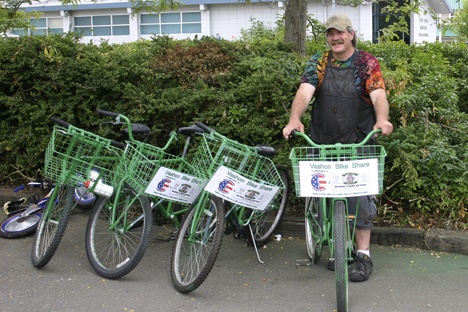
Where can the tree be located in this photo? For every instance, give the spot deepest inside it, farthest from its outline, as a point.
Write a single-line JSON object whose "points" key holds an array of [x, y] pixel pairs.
{"points": [[12, 17], [295, 17]]}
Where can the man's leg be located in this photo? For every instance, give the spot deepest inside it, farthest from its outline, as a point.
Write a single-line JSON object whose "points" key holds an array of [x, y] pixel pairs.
{"points": [[363, 239], [365, 215]]}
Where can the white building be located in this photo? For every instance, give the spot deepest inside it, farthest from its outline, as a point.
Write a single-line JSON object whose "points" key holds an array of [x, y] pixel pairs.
{"points": [[115, 21]]}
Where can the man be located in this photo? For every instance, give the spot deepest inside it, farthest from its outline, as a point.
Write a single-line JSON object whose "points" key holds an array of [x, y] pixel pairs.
{"points": [[350, 101]]}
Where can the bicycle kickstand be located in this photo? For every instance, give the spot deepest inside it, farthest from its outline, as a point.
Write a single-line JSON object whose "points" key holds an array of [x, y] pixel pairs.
{"points": [[255, 245]]}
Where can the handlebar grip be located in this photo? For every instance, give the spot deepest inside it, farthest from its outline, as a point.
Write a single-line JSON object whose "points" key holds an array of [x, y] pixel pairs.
{"points": [[60, 122], [107, 113], [118, 144], [203, 126]]}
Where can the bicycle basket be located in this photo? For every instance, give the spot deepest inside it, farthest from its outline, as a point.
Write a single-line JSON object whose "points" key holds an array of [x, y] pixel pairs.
{"points": [[338, 170], [72, 153], [142, 161], [214, 151]]}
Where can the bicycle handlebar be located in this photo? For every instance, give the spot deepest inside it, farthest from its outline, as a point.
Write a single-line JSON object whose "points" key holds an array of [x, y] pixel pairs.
{"points": [[60, 122], [107, 113], [67, 125], [127, 121], [312, 143], [203, 126]]}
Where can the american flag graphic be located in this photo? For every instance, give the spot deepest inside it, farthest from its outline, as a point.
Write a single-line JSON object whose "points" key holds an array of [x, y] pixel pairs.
{"points": [[163, 185], [318, 181], [226, 186]]}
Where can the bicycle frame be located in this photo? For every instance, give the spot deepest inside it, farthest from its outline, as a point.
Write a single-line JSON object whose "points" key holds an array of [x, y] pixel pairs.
{"points": [[329, 227]]}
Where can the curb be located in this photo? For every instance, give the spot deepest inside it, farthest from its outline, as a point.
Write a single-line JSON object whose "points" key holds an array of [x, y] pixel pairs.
{"points": [[434, 240]]}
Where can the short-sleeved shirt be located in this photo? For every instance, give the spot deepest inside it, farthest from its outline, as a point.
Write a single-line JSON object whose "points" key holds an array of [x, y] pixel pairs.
{"points": [[368, 75]]}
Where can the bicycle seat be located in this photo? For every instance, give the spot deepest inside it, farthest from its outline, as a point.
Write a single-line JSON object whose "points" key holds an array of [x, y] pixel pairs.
{"points": [[191, 130], [265, 150], [138, 128]]}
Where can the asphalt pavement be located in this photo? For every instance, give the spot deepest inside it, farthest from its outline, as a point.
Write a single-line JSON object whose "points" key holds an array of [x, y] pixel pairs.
{"points": [[405, 278]]}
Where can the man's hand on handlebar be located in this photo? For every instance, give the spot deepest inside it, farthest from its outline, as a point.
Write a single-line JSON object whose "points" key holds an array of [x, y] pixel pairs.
{"points": [[385, 125], [292, 126]]}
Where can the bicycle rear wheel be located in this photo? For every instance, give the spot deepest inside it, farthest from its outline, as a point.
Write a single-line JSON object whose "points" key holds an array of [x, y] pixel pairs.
{"points": [[340, 255], [197, 244], [313, 227], [52, 225], [264, 226], [118, 232]]}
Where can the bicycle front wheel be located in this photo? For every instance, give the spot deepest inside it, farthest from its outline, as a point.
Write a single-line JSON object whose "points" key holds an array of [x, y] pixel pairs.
{"points": [[52, 225], [269, 220], [340, 255], [313, 227], [197, 244], [118, 232]]}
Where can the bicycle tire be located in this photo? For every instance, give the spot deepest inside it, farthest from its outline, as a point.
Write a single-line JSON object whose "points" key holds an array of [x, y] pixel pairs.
{"points": [[193, 256], [340, 256], [52, 226], [114, 250], [265, 226], [313, 228], [16, 227]]}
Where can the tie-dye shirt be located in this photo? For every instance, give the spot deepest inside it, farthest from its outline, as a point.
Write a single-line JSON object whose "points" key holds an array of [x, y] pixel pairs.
{"points": [[368, 75]]}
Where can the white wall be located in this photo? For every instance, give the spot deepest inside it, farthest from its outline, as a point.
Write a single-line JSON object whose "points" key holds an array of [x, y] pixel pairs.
{"points": [[423, 28], [361, 17], [227, 20]]}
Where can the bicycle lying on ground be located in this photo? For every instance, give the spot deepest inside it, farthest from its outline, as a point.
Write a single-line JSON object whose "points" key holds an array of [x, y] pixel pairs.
{"points": [[326, 175], [23, 214], [23, 218], [256, 190]]}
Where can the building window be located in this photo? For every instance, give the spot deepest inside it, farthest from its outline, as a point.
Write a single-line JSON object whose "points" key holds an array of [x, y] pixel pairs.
{"points": [[43, 26], [379, 22], [170, 23], [102, 25]]}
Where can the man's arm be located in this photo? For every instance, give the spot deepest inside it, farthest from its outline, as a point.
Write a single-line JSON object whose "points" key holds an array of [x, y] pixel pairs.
{"points": [[381, 107], [298, 107]]}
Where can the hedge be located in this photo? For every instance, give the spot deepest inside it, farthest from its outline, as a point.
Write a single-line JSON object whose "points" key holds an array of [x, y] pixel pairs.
{"points": [[244, 89]]}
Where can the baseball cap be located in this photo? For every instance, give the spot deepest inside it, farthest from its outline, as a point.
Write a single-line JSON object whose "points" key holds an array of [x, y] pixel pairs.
{"points": [[339, 21]]}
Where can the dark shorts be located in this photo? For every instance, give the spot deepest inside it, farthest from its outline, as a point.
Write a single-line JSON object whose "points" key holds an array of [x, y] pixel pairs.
{"points": [[366, 212]]}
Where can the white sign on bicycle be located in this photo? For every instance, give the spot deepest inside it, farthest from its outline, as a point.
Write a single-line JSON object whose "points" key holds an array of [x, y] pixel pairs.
{"points": [[338, 179], [175, 185], [237, 189]]}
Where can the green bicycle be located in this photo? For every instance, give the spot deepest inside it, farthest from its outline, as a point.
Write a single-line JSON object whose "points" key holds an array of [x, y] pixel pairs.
{"points": [[148, 181], [71, 157], [326, 175], [251, 192]]}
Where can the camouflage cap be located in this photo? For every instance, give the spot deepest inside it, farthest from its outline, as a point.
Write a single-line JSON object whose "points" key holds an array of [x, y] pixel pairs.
{"points": [[339, 21]]}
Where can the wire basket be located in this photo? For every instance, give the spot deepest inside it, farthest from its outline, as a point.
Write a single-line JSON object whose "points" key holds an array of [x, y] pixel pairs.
{"points": [[335, 154], [73, 153], [141, 161], [215, 151]]}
